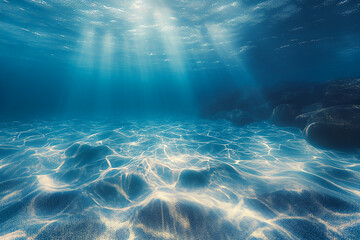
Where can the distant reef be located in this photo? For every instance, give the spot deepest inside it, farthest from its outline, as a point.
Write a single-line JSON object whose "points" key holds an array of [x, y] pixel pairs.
{"points": [[328, 113]]}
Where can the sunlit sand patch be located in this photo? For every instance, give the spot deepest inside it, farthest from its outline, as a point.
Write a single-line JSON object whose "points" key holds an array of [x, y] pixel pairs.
{"points": [[48, 184], [269, 182], [14, 235]]}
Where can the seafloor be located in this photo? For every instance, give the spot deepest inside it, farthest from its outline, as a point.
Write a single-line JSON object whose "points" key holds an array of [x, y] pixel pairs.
{"points": [[173, 179]]}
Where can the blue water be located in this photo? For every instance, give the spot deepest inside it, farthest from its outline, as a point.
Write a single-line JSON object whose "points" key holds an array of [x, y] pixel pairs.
{"points": [[103, 132], [110, 57], [173, 179]]}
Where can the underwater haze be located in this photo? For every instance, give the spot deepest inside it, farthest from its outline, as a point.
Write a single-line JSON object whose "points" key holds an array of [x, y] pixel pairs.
{"points": [[115, 56], [179, 119]]}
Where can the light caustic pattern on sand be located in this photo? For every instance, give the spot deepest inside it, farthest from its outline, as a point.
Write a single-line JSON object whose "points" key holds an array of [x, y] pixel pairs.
{"points": [[173, 179]]}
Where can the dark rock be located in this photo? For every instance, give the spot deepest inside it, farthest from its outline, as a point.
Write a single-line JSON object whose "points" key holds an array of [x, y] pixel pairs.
{"points": [[302, 120], [238, 117], [335, 127], [285, 114], [342, 92], [312, 107], [248, 105], [296, 93]]}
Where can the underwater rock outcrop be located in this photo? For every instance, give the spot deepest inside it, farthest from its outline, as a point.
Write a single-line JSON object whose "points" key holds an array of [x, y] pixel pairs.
{"points": [[334, 127], [327, 112], [284, 115], [342, 92], [258, 105], [337, 123], [298, 94]]}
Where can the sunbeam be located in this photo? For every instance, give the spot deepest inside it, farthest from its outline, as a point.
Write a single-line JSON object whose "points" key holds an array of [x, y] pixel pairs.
{"points": [[179, 119]]}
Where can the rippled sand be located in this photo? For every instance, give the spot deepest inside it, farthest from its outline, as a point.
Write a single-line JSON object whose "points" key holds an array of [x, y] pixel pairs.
{"points": [[178, 179]]}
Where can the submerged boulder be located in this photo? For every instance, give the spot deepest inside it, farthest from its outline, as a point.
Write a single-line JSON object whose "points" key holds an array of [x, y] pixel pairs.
{"points": [[327, 112], [302, 120], [342, 92], [295, 93], [332, 122], [285, 114], [312, 107], [335, 127]]}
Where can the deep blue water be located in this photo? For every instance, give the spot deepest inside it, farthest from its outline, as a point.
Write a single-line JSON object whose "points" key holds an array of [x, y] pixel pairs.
{"points": [[102, 128], [110, 57]]}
